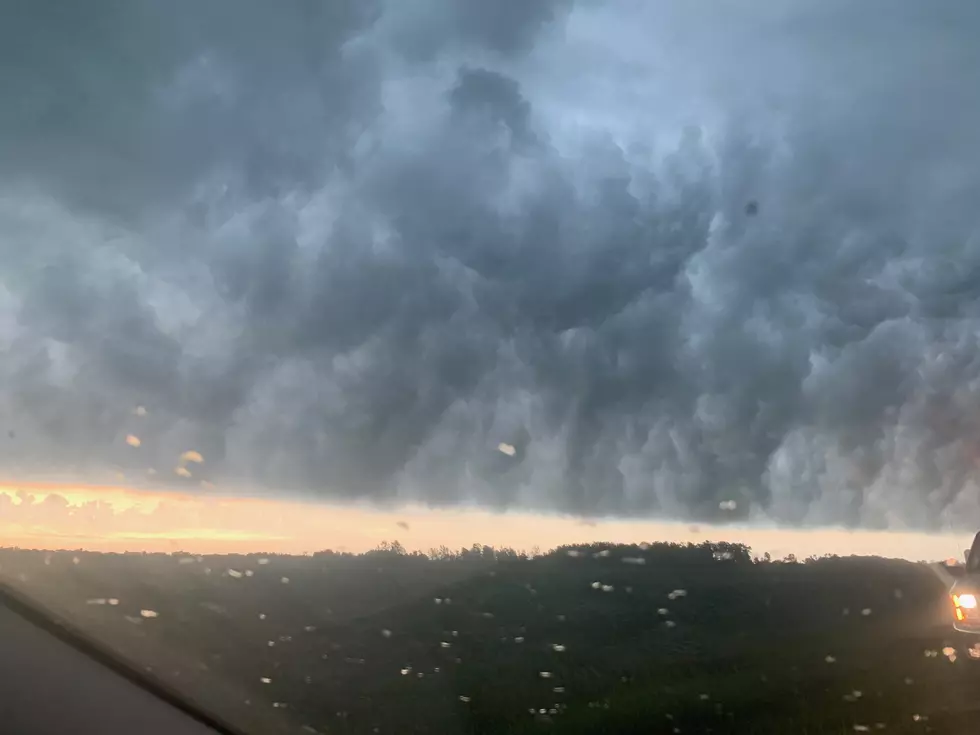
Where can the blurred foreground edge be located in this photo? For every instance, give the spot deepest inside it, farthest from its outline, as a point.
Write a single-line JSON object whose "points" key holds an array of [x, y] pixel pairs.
{"points": [[44, 659]]}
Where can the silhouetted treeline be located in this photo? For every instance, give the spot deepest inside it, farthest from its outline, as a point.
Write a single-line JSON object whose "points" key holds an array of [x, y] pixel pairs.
{"points": [[656, 552]]}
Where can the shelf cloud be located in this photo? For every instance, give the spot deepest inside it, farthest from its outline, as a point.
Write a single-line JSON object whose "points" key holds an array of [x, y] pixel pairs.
{"points": [[683, 262]]}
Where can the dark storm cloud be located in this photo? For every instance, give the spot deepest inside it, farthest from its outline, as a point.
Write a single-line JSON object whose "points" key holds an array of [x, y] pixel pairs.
{"points": [[424, 30], [352, 248]]}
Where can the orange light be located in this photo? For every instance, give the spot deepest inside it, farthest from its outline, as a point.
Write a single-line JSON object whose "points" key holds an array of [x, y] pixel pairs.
{"points": [[960, 616]]}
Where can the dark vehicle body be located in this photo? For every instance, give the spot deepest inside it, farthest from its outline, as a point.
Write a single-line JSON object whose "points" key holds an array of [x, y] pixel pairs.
{"points": [[964, 597]]}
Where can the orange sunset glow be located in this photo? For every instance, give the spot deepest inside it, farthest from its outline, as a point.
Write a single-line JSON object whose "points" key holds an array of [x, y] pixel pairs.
{"points": [[57, 515]]}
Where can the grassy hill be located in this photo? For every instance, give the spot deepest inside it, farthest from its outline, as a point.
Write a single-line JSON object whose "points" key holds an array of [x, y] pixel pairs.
{"points": [[600, 638]]}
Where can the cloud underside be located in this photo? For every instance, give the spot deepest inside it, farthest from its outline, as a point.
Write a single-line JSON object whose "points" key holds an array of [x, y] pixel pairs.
{"points": [[681, 264]]}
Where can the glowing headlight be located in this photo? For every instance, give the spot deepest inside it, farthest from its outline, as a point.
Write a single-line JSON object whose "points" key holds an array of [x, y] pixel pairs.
{"points": [[965, 601]]}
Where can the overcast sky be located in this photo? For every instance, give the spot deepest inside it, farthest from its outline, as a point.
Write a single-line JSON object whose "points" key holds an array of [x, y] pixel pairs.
{"points": [[674, 253]]}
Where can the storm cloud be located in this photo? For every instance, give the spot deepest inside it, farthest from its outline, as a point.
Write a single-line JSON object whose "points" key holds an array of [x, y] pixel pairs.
{"points": [[674, 254]]}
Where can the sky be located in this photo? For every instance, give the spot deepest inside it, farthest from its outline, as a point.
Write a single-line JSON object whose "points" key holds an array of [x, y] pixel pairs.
{"points": [[107, 518], [691, 262]]}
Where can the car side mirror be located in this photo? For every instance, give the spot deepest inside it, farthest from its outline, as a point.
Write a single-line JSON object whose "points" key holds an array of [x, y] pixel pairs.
{"points": [[966, 556], [953, 568]]}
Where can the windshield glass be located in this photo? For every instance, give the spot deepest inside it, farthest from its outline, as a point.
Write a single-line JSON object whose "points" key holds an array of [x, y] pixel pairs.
{"points": [[495, 366]]}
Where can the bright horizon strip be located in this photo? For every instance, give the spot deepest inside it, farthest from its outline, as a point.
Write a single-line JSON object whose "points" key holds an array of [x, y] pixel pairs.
{"points": [[129, 519]]}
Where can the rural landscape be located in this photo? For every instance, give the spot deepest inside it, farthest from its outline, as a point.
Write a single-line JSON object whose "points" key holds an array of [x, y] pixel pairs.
{"points": [[584, 639]]}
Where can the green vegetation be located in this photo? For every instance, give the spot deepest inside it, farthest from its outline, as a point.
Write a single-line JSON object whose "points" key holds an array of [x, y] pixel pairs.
{"points": [[585, 639]]}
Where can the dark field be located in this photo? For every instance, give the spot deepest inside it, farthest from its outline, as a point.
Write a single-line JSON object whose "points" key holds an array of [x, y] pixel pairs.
{"points": [[690, 639]]}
